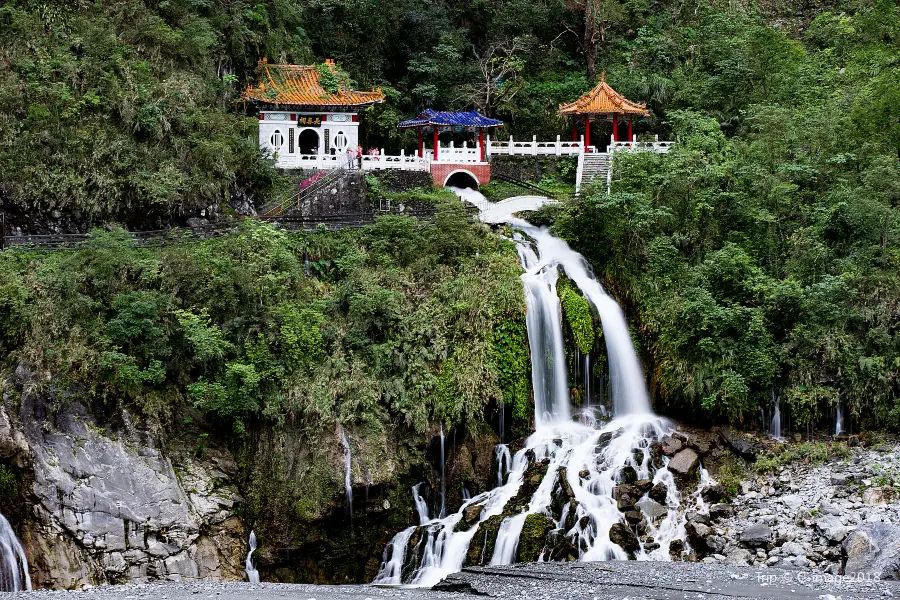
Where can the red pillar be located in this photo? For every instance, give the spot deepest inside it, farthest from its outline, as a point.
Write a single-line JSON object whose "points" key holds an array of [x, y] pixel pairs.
{"points": [[574, 129], [615, 121], [630, 129], [435, 143], [587, 132], [421, 145], [481, 141]]}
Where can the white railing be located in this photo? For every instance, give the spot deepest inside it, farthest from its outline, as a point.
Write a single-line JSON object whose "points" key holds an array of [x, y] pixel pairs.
{"points": [[534, 147], [403, 162], [310, 161], [636, 146]]}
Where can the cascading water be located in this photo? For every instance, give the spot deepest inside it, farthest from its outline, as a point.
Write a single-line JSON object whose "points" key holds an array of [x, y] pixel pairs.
{"points": [[503, 460], [443, 512], [348, 485], [14, 576], [839, 420], [775, 427], [252, 573], [421, 504], [591, 456]]}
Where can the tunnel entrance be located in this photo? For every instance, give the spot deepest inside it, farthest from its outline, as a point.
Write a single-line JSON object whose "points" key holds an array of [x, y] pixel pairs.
{"points": [[461, 179]]}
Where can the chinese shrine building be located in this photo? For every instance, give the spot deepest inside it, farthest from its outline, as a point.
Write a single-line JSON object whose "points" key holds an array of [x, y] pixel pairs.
{"points": [[603, 103], [447, 161], [303, 121]]}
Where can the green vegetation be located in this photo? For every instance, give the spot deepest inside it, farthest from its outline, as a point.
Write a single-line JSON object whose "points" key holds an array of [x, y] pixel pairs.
{"points": [[396, 323], [814, 453], [732, 470], [764, 251], [576, 311], [513, 364]]}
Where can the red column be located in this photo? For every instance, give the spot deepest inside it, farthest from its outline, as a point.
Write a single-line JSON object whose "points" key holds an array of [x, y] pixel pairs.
{"points": [[574, 129], [421, 151], [630, 130], [435, 143], [615, 121], [587, 132], [481, 141]]}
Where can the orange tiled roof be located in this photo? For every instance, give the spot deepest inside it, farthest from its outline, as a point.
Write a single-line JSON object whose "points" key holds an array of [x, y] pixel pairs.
{"points": [[297, 85], [603, 99]]}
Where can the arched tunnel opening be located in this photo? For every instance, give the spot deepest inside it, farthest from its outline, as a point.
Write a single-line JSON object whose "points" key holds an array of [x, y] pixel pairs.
{"points": [[462, 179]]}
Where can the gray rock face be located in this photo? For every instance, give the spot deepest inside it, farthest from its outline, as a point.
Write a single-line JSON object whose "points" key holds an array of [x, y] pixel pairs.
{"points": [[112, 508], [684, 465], [874, 548], [756, 536]]}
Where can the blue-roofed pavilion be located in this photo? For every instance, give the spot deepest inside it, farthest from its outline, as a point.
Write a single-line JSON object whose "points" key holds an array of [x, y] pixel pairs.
{"points": [[446, 120]]}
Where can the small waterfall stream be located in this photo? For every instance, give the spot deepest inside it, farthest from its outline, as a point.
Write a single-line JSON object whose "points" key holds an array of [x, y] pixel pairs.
{"points": [[775, 427], [838, 419], [591, 454], [348, 484], [443, 512], [14, 575], [252, 573]]}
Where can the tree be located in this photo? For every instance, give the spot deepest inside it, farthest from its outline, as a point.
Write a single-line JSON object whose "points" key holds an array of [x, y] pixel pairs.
{"points": [[599, 15], [499, 79]]}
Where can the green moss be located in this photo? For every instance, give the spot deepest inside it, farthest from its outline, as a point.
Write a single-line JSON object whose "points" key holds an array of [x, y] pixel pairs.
{"points": [[481, 549], [512, 362], [577, 313], [533, 537], [315, 492], [9, 488]]}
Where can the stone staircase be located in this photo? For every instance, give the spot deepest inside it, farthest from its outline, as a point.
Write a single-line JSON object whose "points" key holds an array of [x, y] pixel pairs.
{"points": [[592, 167]]}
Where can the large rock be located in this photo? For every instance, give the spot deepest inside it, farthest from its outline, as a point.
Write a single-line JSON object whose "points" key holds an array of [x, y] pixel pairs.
{"points": [[756, 536], [659, 492], [622, 535], [685, 464], [873, 549], [743, 445], [112, 508], [879, 495], [832, 528], [671, 445]]}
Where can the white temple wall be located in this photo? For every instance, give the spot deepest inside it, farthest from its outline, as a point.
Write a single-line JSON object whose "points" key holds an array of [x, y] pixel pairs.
{"points": [[291, 135]]}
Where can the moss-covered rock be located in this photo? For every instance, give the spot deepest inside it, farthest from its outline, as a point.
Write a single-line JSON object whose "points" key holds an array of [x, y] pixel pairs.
{"points": [[481, 549], [577, 314], [533, 538]]}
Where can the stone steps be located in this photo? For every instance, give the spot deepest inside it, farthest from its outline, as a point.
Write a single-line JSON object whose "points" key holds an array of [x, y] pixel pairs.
{"points": [[593, 167]]}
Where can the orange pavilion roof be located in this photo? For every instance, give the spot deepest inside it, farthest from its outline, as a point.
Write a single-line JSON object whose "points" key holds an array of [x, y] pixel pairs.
{"points": [[603, 99], [299, 85]]}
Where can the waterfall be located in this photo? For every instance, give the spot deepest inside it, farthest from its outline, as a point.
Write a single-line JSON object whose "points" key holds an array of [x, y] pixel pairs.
{"points": [[839, 419], [503, 461], [443, 512], [590, 454], [587, 380], [775, 427], [252, 574], [348, 486], [14, 575], [421, 505]]}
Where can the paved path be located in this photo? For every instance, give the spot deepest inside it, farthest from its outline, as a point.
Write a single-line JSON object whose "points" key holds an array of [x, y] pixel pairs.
{"points": [[543, 581]]}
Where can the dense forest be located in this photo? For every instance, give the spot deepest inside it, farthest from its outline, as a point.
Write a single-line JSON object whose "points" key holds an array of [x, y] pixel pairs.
{"points": [[760, 257]]}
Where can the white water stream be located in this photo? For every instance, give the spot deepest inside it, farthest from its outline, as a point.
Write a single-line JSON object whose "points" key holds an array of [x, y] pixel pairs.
{"points": [[249, 569], [348, 484], [592, 454], [14, 576]]}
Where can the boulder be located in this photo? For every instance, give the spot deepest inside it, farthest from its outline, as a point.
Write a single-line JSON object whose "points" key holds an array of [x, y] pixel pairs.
{"points": [[626, 474], [626, 496], [533, 537], [756, 536], [738, 556], [718, 512], [874, 548], [879, 495], [685, 464], [671, 445], [622, 535], [740, 443], [713, 493], [471, 514], [676, 548], [793, 549], [653, 509], [644, 485], [659, 492], [832, 528]]}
